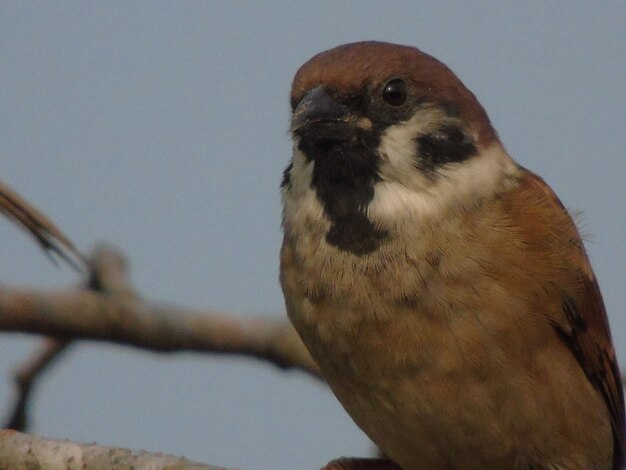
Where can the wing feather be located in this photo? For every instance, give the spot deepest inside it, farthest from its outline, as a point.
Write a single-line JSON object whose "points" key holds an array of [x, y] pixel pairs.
{"points": [[584, 326]]}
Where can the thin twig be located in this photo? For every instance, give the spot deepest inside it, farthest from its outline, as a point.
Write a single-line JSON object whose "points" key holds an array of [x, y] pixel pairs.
{"points": [[26, 378]]}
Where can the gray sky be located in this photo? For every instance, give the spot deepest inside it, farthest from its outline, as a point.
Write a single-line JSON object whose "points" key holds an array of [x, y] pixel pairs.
{"points": [[161, 127]]}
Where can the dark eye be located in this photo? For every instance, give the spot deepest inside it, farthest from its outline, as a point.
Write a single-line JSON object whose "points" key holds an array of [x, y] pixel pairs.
{"points": [[395, 92]]}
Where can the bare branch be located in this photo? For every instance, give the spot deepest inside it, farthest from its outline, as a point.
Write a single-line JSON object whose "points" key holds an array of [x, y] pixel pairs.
{"points": [[107, 273], [26, 378], [117, 315], [133, 322], [21, 451]]}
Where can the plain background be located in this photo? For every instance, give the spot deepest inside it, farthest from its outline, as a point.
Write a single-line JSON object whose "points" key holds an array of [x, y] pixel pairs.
{"points": [[161, 127]]}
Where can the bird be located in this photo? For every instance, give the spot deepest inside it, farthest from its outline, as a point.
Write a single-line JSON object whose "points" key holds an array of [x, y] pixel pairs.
{"points": [[442, 288]]}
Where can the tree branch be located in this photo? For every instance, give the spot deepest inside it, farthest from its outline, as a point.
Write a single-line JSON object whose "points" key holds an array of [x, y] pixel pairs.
{"points": [[119, 316], [107, 273], [21, 451], [26, 378]]}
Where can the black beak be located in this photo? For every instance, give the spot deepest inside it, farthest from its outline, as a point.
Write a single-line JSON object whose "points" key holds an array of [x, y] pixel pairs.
{"points": [[321, 117]]}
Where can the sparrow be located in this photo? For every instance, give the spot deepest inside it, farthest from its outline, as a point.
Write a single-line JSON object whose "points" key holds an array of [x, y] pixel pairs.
{"points": [[442, 288]]}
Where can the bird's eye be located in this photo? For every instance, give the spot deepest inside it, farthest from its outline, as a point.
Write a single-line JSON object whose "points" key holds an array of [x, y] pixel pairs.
{"points": [[395, 92]]}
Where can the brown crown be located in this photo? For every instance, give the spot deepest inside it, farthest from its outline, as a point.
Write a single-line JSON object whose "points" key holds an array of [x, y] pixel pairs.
{"points": [[350, 68]]}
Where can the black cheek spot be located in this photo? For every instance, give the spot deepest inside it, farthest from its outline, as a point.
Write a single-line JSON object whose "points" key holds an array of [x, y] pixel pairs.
{"points": [[448, 144]]}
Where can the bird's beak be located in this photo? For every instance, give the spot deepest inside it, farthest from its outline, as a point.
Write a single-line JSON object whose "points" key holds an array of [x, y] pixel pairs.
{"points": [[320, 116]]}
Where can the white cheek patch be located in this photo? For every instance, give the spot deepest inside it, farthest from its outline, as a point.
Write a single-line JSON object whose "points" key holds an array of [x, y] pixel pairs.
{"points": [[405, 196], [397, 143], [301, 207], [393, 201], [398, 147], [412, 197], [301, 173]]}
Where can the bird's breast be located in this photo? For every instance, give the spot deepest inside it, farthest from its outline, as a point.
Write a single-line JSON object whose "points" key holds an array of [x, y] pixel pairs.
{"points": [[383, 336], [432, 354], [383, 313]]}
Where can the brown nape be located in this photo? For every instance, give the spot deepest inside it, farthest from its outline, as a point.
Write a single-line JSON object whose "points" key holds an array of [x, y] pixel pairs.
{"points": [[351, 68]]}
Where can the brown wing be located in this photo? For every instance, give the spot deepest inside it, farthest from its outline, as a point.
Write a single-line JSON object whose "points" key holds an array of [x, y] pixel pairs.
{"points": [[586, 330], [45, 232]]}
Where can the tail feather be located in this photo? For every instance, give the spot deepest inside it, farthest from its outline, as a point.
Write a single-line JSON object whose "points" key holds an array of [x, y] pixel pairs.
{"points": [[49, 237]]}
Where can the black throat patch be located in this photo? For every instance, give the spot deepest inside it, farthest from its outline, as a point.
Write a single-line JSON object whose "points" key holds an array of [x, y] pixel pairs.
{"points": [[344, 174]]}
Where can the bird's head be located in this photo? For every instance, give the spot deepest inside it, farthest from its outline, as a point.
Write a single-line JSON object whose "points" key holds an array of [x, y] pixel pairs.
{"points": [[384, 134]]}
